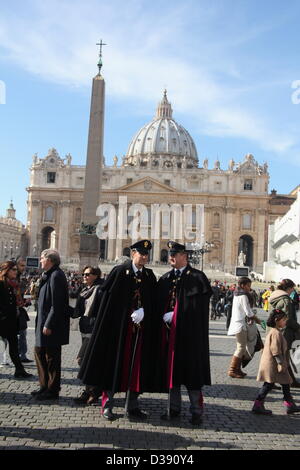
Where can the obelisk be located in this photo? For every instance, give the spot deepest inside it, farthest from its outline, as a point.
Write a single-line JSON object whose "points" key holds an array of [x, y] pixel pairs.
{"points": [[89, 243]]}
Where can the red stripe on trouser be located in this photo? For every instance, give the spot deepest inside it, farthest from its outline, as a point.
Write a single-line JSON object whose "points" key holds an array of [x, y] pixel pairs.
{"points": [[104, 400], [171, 351]]}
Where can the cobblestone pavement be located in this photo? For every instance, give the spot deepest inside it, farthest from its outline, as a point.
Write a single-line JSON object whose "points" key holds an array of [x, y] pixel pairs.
{"points": [[227, 424]]}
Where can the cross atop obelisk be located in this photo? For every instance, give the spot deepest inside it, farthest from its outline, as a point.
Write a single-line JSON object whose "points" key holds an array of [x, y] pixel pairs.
{"points": [[101, 44]]}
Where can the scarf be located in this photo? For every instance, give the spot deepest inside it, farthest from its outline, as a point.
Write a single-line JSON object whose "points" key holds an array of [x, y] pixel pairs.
{"points": [[86, 300], [240, 291]]}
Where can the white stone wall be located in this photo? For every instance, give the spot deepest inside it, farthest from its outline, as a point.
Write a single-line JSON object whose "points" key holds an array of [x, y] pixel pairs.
{"points": [[284, 246]]}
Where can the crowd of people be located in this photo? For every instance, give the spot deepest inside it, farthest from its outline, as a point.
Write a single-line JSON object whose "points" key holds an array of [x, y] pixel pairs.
{"points": [[140, 334]]}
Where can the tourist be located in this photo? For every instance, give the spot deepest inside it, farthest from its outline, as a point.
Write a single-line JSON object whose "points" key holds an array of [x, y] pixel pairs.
{"points": [[280, 299], [86, 309], [241, 314], [52, 325], [9, 315], [274, 365]]}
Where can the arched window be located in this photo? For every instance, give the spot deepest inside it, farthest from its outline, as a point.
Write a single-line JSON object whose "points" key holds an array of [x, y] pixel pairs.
{"points": [[164, 256], [126, 251], [48, 238], [49, 214]]}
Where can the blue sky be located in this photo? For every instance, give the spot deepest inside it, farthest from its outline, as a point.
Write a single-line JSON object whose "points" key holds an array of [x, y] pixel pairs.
{"points": [[228, 66]]}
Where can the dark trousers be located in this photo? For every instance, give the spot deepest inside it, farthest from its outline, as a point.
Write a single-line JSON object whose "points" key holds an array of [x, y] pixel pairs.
{"points": [[14, 351], [48, 361], [267, 387]]}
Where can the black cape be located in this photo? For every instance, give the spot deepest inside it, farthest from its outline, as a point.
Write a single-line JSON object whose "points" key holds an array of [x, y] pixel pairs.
{"points": [[191, 358], [103, 360]]}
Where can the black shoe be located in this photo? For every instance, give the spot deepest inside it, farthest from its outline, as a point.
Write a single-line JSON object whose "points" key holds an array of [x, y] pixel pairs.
{"points": [[38, 391], [173, 414], [196, 419], [22, 374], [26, 360], [47, 395], [108, 414], [136, 413], [82, 399]]}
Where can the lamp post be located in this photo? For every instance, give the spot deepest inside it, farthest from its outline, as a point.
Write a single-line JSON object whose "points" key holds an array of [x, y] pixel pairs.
{"points": [[199, 251]]}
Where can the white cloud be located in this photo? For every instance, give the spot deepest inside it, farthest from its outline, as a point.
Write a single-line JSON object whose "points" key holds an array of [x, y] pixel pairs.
{"points": [[58, 44]]}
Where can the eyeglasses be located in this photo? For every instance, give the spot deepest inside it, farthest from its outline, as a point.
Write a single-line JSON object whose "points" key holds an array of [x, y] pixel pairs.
{"points": [[87, 274]]}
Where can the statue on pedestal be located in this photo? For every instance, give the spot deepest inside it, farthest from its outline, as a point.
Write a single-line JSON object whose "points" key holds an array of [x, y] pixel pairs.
{"points": [[242, 258]]}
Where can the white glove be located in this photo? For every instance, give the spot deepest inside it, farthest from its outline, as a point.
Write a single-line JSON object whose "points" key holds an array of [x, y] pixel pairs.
{"points": [[138, 315], [168, 317]]}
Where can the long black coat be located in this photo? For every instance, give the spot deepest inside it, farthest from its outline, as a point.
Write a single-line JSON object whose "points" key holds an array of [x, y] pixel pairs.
{"points": [[53, 309], [103, 360], [8, 311], [191, 358]]}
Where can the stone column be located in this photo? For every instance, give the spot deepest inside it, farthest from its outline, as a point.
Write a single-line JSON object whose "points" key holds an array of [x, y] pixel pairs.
{"points": [[229, 257], [64, 230], [110, 250], [258, 254], [156, 251], [119, 244], [34, 228]]}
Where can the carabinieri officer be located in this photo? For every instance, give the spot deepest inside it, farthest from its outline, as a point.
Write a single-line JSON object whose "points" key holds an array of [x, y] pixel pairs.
{"points": [[120, 354], [183, 295]]}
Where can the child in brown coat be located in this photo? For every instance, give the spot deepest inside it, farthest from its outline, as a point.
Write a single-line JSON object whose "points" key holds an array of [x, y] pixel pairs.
{"points": [[273, 367]]}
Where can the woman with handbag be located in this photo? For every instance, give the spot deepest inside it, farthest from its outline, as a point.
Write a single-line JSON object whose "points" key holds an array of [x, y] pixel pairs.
{"points": [[241, 315], [86, 309], [9, 315], [280, 299]]}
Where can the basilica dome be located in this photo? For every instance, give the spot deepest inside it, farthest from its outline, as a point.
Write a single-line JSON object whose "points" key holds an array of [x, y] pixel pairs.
{"points": [[162, 142]]}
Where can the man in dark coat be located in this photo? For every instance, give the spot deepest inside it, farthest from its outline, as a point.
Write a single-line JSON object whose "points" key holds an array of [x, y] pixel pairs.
{"points": [[120, 354], [52, 325], [184, 294]]}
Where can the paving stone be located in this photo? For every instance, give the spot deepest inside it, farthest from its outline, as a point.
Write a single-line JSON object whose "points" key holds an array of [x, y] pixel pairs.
{"points": [[228, 423]]}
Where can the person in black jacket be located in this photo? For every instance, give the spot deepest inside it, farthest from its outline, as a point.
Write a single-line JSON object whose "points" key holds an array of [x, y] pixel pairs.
{"points": [[120, 355], [22, 303], [86, 308], [184, 294], [52, 325], [8, 315]]}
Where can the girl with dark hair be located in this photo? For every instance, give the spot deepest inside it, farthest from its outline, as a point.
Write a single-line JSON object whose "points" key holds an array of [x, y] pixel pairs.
{"points": [[280, 299], [8, 315], [273, 366]]}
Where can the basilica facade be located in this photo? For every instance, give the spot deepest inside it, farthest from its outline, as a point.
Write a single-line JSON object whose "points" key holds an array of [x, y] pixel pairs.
{"points": [[161, 166]]}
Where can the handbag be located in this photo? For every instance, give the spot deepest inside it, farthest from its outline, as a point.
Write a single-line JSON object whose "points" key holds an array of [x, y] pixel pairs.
{"points": [[254, 343]]}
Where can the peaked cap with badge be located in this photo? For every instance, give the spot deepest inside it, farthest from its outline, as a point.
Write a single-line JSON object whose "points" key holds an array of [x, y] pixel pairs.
{"points": [[142, 246], [175, 247]]}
